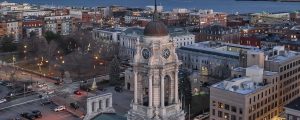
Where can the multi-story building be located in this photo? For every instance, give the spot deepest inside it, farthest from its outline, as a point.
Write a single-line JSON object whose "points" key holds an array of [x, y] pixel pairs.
{"points": [[295, 16], [181, 37], [211, 58], [62, 25], [292, 110], [204, 18], [129, 38], [3, 29], [219, 33], [37, 13], [259, 90], [14, 29], [106, 35]]}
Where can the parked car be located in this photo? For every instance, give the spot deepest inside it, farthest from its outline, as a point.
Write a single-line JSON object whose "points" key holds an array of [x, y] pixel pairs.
{"points": [[50, 92], [37, 113], [2, 100], [118, 89], [77, 92], [10, 94], [28, 116], [74, 105], [58, 83], [47, 102], [59, 108], [41, 85]]}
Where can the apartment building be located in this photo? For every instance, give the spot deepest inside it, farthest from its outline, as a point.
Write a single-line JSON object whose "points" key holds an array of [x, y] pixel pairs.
{"points": [[259, 90]]}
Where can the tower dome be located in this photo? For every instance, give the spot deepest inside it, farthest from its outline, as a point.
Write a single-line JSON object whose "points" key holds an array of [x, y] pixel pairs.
{"points": [[155, 27]]}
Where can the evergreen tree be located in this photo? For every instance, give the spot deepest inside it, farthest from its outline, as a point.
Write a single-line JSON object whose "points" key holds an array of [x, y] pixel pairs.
{"points": [[7, 44], [185, 90], [114, 71]]}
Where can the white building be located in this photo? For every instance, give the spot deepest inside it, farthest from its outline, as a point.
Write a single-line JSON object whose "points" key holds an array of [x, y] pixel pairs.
{"points": [[36, 13], [211, 58], [180, 10], [106, 35], [14, 28], [129, 38]]}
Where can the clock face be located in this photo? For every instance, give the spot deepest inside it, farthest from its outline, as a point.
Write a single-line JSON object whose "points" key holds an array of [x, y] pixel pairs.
{"points": [[166, 53], [146, 53]]}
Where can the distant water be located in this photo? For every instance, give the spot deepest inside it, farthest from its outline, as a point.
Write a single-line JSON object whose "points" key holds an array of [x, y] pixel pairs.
{"points": [[229, 6]]}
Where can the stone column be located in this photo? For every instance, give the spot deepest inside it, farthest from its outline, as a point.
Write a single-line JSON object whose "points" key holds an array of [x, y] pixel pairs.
{"points": [[103, 104], [110, 102], [135, 88], [96, 105], [162, 91], [176, 85], [150, 90], [89, 107]]}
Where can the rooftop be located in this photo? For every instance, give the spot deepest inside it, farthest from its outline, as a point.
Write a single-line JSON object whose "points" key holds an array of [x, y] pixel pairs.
{"points": [[217, 48], [282, 56], [295, 104], [242, 85], [251, 82]]}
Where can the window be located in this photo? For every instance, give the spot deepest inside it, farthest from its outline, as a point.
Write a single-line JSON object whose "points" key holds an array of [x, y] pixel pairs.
{"points": [[220, 114], [226, 107], [220, 105], [233, 108], [233, 117], [226, 116], [241, 111], [213, 111]]}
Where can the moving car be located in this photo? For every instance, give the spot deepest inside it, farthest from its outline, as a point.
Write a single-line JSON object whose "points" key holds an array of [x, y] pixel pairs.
{"points": [[59, 108], [2, 100]]}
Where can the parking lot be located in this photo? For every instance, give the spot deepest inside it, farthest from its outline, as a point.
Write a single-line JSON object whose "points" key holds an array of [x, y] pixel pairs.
{"points": [[47, 112]]}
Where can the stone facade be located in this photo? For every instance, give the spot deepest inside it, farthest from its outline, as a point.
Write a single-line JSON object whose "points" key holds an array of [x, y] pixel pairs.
{"points": [[99, 104]]}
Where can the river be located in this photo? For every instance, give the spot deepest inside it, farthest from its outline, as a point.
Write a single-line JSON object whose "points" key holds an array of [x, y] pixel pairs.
{"points": [[229, 6]]}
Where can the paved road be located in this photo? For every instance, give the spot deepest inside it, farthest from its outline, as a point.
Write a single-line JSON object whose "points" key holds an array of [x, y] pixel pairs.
{"points": [[3, 91], [47, 112]]}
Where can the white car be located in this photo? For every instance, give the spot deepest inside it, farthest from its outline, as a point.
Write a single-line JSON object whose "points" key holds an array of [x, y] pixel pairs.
{"points": [[50, 92], [60, 108], [40, 85], [2, 100]]}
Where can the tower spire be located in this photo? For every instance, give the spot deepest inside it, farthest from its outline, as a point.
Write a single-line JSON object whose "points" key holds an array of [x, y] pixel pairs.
{"points": [[155, 15]]}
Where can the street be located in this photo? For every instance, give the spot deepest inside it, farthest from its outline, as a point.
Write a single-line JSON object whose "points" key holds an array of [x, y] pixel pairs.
{"points": [[47, 112]]}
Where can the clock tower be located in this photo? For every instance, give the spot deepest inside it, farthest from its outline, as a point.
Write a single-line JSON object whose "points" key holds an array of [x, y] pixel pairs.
{"points": [[155, 69]]}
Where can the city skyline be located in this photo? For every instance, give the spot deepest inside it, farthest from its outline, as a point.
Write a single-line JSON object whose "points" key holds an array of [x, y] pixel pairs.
{"points": [[150, 61]]}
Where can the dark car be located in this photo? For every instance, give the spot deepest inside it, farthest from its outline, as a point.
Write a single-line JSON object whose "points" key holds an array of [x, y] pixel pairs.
{"points": [[118, 89], [37, 113], [47, 102], [28, 116], [58, 83], [77, 92], [74, 105]]}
